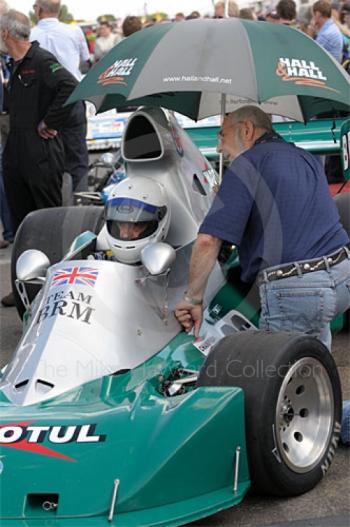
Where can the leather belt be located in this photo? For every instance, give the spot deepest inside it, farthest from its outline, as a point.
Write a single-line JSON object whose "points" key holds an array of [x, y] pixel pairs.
{"points": [[298, 268]]}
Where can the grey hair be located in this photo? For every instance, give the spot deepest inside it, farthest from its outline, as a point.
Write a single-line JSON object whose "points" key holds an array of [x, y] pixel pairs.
{"points": [[16, 23], [50, 6], [254, 114], [3, 7]]}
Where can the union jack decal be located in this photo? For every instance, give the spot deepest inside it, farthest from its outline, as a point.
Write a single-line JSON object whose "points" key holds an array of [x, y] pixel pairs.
{"points": [[75, 276]]}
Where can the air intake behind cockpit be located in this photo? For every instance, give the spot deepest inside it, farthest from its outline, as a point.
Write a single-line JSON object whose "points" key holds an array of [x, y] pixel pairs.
{"points": [[141, 140]]}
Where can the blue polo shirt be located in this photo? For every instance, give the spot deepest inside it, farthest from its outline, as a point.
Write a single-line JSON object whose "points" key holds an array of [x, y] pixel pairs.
{"points": [[274, 204], [331, 39]]}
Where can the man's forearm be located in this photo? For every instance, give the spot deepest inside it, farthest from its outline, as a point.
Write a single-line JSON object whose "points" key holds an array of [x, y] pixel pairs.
{"points": [[58, 114], [204, 255]]}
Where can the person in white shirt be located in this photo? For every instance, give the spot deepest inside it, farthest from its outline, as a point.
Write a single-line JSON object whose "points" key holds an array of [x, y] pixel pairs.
{"points": [[105, 41], [68, 44]]}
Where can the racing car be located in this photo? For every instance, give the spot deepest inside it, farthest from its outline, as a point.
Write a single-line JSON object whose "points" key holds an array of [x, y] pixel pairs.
{"points": [[110, 413]]}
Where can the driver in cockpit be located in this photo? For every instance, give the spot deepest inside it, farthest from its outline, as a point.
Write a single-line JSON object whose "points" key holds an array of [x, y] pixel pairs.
{"points": [[137, 213]]}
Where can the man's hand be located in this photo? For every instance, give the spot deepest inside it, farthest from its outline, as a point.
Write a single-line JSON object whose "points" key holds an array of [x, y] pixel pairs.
{"points": [[45, 132], [311, 29], [189, 311], [190, 316]]}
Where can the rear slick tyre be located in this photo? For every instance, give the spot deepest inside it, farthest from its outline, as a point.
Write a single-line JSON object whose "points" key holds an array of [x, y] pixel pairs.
{"points": [[292, 405]]}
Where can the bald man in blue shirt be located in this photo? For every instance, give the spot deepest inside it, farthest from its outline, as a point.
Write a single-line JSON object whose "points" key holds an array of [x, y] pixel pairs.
{"points": [[274, 205]]}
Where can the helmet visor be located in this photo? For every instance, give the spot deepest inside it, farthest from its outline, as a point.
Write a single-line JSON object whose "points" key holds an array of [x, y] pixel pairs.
{"points": [[131, 210], [130, 219]]}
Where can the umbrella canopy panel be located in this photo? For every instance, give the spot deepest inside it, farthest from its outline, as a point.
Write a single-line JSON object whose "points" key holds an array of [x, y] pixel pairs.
{"points": [[187, 66], [204, 57]]}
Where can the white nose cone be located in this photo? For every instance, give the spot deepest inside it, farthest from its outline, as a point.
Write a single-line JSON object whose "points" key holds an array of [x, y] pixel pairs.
{"points": [[81, 330]]}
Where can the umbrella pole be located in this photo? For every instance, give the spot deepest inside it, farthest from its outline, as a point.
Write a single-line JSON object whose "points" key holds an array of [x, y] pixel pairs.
{"points": [[223, 111], [221, 158]]}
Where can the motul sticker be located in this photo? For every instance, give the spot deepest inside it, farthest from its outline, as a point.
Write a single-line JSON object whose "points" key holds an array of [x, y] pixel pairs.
{"points": [[302, 72], [117, 72], [29, 438]]}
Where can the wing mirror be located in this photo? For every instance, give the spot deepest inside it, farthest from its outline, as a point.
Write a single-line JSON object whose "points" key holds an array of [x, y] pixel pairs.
{"points": [[31, 266], [158, 257]]}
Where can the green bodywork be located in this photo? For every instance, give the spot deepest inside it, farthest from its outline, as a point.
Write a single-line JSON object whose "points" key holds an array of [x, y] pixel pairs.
{"points": [[174, 456]]}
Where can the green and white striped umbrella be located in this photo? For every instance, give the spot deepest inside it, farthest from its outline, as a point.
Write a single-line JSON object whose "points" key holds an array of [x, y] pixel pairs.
{"points": [[188, 66]]}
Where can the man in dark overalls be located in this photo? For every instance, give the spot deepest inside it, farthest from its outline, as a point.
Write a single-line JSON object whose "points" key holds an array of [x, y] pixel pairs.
{"points": [[38, 88]]}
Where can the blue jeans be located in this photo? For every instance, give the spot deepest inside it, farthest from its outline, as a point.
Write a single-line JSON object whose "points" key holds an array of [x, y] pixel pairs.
{"points": [[308, 303]]}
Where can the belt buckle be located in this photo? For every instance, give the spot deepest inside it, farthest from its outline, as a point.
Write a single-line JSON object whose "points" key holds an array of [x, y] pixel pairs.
{"points": [[306, 267], [275, 275], [279, 274]]}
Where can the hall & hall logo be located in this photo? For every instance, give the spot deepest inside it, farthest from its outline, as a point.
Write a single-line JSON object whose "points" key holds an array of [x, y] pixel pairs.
{"points": [[117, 72], [302, 72]]}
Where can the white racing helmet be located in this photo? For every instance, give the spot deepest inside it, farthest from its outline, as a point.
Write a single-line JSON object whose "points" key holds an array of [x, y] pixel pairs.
{"points": [[137, 213]]}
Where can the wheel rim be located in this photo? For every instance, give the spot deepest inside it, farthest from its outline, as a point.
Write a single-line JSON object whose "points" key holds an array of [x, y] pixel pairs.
{"points": [[304, 415]]}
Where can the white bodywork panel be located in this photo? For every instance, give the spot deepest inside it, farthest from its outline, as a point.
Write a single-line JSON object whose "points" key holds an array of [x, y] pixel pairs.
{"points": [[82, 330]]}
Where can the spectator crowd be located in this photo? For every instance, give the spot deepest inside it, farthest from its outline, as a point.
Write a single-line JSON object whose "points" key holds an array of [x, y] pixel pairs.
{"points": [[41, 65], [325, 20]]}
